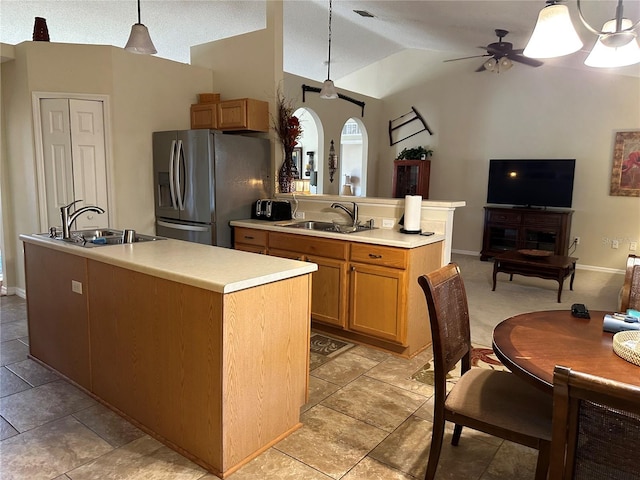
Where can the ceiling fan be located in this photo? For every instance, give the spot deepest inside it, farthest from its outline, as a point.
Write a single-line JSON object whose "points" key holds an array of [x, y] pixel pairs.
{"points": [[502, 55]]}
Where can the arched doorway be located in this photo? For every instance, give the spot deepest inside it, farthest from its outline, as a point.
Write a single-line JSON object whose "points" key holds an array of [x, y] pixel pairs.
{"points": [[353, 158], [311, 152]]}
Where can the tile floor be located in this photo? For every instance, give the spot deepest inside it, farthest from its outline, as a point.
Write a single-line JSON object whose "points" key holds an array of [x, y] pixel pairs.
{"points": [[366, 419]]}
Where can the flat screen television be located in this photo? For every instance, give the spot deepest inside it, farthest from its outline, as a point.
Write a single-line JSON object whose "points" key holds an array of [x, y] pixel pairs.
{"points": [[531, 183]]}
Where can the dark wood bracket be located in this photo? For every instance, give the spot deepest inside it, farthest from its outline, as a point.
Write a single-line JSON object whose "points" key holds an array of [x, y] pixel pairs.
{"points": [[308, 88], [416, 116]]}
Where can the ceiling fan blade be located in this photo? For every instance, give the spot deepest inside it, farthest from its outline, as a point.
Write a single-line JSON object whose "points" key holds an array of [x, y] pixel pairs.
{"points": [[517, 51], [466, 58], [480, 68], [532, 62]]}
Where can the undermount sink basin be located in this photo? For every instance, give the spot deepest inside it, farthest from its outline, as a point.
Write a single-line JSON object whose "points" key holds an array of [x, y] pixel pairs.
{"points": [[327, 226], [98, 238]]}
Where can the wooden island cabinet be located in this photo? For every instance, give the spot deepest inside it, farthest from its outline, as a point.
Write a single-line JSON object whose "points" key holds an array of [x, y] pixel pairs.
{"points": [[216, 369], [361, 291]]}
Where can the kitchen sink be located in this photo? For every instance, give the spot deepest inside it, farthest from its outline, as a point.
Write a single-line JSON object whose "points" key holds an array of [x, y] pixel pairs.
{"points": [[327, 226], [97, 238]]}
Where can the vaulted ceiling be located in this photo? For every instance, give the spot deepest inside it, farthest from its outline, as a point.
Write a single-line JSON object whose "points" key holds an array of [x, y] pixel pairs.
{"points": [[455, 27]]}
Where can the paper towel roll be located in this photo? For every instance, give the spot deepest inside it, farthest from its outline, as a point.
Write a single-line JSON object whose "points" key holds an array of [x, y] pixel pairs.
{"points": [[412, 212]]}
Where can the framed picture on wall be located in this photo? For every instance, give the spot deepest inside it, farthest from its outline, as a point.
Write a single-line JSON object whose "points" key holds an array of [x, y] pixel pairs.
{"points": [[297, 161], [625, 174]]}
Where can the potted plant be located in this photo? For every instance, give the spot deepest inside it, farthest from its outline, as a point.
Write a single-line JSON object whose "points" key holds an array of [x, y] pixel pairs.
{"points": [[415, 153]]}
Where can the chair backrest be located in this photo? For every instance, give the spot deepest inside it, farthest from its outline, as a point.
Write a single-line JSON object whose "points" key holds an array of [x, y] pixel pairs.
{"points": [[596, 428], [631, 288], [449, 317]]}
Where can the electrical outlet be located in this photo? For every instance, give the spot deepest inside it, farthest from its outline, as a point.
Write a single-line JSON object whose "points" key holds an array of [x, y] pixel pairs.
{"points": [[76, 286], [614, 244], [388, 222], [299, 215], [633, 246], [577, 240]]}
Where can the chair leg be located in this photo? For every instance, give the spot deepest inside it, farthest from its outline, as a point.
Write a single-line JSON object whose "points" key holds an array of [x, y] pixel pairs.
{"points": [[436, 445], [542, 466], [457, 431]]}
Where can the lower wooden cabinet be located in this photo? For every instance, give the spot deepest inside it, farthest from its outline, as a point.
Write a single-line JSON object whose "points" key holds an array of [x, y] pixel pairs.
{"points": [[368, 293], [378, 283], [329, 283]]}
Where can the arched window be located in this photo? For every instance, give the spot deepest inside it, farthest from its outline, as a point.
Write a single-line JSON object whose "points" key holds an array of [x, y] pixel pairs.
{"points": [[311, 152]]}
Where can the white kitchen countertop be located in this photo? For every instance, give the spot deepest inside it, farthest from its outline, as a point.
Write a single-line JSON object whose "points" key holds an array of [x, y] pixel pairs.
{"points": [[378, 236], [217, 269]]}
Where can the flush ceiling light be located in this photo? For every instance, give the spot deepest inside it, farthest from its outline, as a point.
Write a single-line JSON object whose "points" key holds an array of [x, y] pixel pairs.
{"points": [[328, 91], [139, 40], [603, 56], [554, 34]]}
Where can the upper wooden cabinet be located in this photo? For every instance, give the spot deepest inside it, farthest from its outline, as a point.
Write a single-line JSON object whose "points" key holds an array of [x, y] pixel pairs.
{"points": [[245, 114], [411, 177]]}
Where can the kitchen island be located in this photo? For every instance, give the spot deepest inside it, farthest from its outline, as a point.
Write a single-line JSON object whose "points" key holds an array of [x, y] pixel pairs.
{"points": [[199, 346]]}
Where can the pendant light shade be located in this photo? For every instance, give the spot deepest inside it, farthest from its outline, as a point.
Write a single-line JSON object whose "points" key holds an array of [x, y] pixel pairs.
{"points": [[603, 56], [554, 34], [328, 91], [139, 39]]}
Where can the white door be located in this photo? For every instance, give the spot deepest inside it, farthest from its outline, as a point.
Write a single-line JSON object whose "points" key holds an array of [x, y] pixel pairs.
{"points": [[74, 158]]}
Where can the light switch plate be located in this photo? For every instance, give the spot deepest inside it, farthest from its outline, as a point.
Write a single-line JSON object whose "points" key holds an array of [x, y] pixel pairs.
{"points": [[76, 286]]}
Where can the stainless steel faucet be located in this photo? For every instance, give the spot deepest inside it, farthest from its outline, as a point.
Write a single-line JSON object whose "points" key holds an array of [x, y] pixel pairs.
{"points": [[68, 218], [352, 213]]}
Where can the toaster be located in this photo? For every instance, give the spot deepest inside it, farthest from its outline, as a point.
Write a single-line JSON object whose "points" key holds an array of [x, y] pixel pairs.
{"points": [[275, 210]]}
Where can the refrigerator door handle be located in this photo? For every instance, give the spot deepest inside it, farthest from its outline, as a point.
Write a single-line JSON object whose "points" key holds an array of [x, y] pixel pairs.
{"points": [[178, 226], [179, 163], [172, 187]]}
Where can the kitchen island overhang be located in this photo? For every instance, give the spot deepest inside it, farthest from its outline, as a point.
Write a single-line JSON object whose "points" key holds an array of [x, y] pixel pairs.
{"points": [[203, 347]]}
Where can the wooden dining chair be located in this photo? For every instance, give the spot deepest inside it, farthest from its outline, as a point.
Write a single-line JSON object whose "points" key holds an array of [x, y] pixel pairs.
{"points": [[596, 428], [631, 287], [492, 401]]}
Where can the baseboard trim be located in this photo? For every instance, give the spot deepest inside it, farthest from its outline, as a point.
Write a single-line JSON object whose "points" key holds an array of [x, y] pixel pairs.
{"points": [[579, 266]]}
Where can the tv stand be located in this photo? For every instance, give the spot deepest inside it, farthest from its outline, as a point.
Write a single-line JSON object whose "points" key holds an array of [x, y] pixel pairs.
{"points": [[517, 228]]}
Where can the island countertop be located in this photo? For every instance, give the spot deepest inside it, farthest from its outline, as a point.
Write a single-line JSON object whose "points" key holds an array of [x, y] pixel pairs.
{"points": [[377, 236], [212, 268]]}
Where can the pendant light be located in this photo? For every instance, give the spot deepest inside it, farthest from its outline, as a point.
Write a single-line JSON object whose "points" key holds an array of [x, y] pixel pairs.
{"points": [[603, 56], [328, 91], [554, 34], [139, 40]]}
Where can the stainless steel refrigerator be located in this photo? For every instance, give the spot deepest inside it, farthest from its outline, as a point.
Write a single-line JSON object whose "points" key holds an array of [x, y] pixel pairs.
{"points": [[203, 179]]}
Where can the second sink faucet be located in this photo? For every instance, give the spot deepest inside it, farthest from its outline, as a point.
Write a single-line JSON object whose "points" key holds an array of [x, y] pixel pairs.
{"points": [[68, 218], [352, 213]]}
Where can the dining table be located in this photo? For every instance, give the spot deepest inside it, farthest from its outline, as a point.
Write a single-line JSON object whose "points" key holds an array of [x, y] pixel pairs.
{"points": [[532, 344]]}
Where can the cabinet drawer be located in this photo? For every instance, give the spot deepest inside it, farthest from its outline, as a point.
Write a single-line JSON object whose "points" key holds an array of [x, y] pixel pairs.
{"points": [[504, 217], [309, 245], [543, 220], [377, 255], [251, 237]]}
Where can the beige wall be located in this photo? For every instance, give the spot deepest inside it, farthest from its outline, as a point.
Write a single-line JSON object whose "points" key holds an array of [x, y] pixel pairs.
{"points": [[146, 94], [546, 112]]}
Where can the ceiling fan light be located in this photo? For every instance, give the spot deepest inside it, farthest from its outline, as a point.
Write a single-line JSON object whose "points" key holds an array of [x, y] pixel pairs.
{"points": [[328, 91], [491, 64], [140, 41], [505, 64], [554, 34]]}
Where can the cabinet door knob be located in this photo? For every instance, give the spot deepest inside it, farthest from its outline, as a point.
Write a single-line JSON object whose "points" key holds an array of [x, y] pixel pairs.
{"points": [[373, 255], [353, 269]]}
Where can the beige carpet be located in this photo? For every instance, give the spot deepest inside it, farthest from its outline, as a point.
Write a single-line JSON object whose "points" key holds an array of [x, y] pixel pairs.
{"points": [[597, 290]]}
